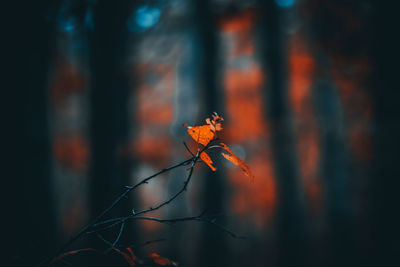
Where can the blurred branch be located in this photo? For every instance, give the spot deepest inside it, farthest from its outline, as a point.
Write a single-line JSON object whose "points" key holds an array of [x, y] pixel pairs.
{"points": [[208, 219], [96, 225], [128, 189]]}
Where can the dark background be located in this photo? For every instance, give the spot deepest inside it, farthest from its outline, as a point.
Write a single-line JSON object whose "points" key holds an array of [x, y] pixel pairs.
{"points": [[95, 93]]}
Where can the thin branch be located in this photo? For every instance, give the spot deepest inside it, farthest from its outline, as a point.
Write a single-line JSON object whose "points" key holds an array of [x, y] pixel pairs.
{"points": [[185, 184], [127, 190], [119, 234], [99, 236], [187, 148], [201, 218], [89, 228], [116, 221], [224, 229]]}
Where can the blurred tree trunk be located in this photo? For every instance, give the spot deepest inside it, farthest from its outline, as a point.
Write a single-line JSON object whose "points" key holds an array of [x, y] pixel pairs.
{"points": [[292, 233], [385, 249], [109, 96], [213, 245], [334, 172], [30, 232]]}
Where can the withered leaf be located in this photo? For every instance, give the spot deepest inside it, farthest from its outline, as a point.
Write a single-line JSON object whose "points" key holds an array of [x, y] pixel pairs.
{"points": [[201, 134], [161, 260], [235, 159], [207, 160]]}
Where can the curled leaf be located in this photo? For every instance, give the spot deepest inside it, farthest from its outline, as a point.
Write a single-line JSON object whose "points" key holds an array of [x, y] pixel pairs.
{"points": [[201, 134], [207, 160], [215, 122], [161, 260], [235, 159], [130, 258], [204, 134]]}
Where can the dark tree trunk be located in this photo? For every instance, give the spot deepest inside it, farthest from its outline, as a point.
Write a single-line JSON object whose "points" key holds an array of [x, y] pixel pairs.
{"points": [[213, 244], [292, 234], [385, 249], [30, 224], [334, 172], [109, 96]]}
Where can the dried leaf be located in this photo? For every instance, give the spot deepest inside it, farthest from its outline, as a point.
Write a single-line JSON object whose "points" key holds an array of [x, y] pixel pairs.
{"points": [[162, 261], [235, 159], [207, 160], [131, 253], [204, 134], [130, 258], [201, 134], [215, 123]]}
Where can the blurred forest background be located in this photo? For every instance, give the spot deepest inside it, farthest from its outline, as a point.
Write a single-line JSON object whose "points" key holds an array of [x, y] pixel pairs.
{"points": [[99, 91]]}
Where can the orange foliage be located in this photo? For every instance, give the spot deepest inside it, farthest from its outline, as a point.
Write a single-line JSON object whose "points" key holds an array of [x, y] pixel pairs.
{"points": [[237, 161], [130, 258], [162, 261], [207, 160], [72, 151], [201, 134], [204, 134]]}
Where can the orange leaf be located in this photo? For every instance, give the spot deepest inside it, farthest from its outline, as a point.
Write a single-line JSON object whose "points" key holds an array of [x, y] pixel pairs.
{"points": [[131, 253], [205, 133], [130, 258], [235, 159], [162, 261], [201, 134], [207, 160], [215, 123]]}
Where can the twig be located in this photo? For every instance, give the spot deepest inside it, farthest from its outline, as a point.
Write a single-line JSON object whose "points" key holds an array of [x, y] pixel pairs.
{"points": [[91, 227], [116, 221], [185, 184], [119, 234], [185, 219], [99, 236], [187, 148], [128, 189]]}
